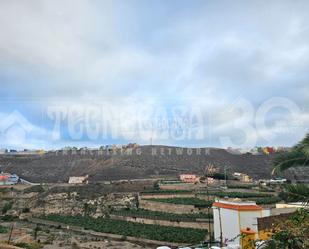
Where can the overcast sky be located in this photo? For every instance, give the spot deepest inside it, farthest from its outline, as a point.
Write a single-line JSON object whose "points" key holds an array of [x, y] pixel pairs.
{"points": [[190, 73]]}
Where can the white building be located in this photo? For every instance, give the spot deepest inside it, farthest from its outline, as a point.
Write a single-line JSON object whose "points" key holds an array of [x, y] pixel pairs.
{"points": [[231, 217], [78, 179], [277, 181], [242, 177], [8, 179], [3, 151]]}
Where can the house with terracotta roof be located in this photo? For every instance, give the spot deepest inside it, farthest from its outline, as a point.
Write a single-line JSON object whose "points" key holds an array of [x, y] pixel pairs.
{"points": [[8, 179], [233, 218]]}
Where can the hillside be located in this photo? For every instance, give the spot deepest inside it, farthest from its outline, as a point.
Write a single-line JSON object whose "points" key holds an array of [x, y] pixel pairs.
{"points": [[141, 163]]}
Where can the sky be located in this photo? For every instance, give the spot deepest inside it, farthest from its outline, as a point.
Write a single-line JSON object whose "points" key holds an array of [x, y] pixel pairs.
{"points": [[182, 73]]}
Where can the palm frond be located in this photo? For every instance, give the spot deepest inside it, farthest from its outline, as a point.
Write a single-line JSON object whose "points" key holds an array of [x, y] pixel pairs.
{"points": [[297, 193], [298, 156]]}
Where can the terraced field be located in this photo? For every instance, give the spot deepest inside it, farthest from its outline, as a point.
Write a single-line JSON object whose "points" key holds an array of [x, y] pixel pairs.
{"points": [[184, 201], [125, 228], [141, 213]]}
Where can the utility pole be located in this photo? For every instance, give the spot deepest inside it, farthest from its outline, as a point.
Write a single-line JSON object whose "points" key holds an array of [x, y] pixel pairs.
{"points": [[10, 236], [220, 221], [208, 209], [36, 232], [225, 176]]}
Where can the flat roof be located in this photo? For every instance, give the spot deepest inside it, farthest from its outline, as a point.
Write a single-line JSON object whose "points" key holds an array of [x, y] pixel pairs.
{"points": [[240, 206]]}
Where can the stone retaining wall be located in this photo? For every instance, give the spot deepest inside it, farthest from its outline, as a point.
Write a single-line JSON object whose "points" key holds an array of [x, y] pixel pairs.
{"points": [[186, 224], [169, 207], [159, 196]]}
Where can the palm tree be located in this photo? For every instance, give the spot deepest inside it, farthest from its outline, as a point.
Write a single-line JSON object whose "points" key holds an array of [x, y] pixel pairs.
{"points": [[298, 156]]}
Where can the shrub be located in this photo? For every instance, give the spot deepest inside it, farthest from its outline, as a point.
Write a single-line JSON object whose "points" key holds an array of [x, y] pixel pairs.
{"points": [[8, 218], [26, 210], [268, 200], [7, 206], [3, 229]]}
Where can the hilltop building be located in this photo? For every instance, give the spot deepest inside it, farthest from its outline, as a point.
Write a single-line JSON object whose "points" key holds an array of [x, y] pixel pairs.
{"points": [[78, 179], [189, 178], [242, 177], [8, 179], [3, 151]]}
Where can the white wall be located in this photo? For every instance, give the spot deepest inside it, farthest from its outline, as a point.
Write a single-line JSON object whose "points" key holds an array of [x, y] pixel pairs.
{"points": [[233, 221], [230, 224], [249, 219]]}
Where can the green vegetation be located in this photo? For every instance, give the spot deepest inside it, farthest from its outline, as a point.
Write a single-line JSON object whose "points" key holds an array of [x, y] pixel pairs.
{"points": [[3, 229], [125, 228], [7, 206], [296, 157], [268, 200], [171, 182], [29, 245], [244, 186], [8, 218], [26, 210], [238, 194], [219, 176], [295, 193], [3, 190], [167, 191], [184, 201], [292, 233], [34, 189], [142, 213]]}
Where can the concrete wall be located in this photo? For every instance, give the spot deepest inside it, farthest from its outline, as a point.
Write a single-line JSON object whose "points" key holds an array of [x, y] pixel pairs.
{"points": [[191, 224], [277, 211], [249, 219]]}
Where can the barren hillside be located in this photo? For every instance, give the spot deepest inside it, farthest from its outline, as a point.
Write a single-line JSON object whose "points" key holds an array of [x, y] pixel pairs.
{"points": [[146, 161]]}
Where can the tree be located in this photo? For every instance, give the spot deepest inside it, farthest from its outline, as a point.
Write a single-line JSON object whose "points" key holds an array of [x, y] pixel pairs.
{"points": [[296, 192], [298, 156]]}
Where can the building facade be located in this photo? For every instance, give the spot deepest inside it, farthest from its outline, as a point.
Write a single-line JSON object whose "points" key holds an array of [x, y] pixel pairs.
{"points": [[231, 218], [188, 178]]}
